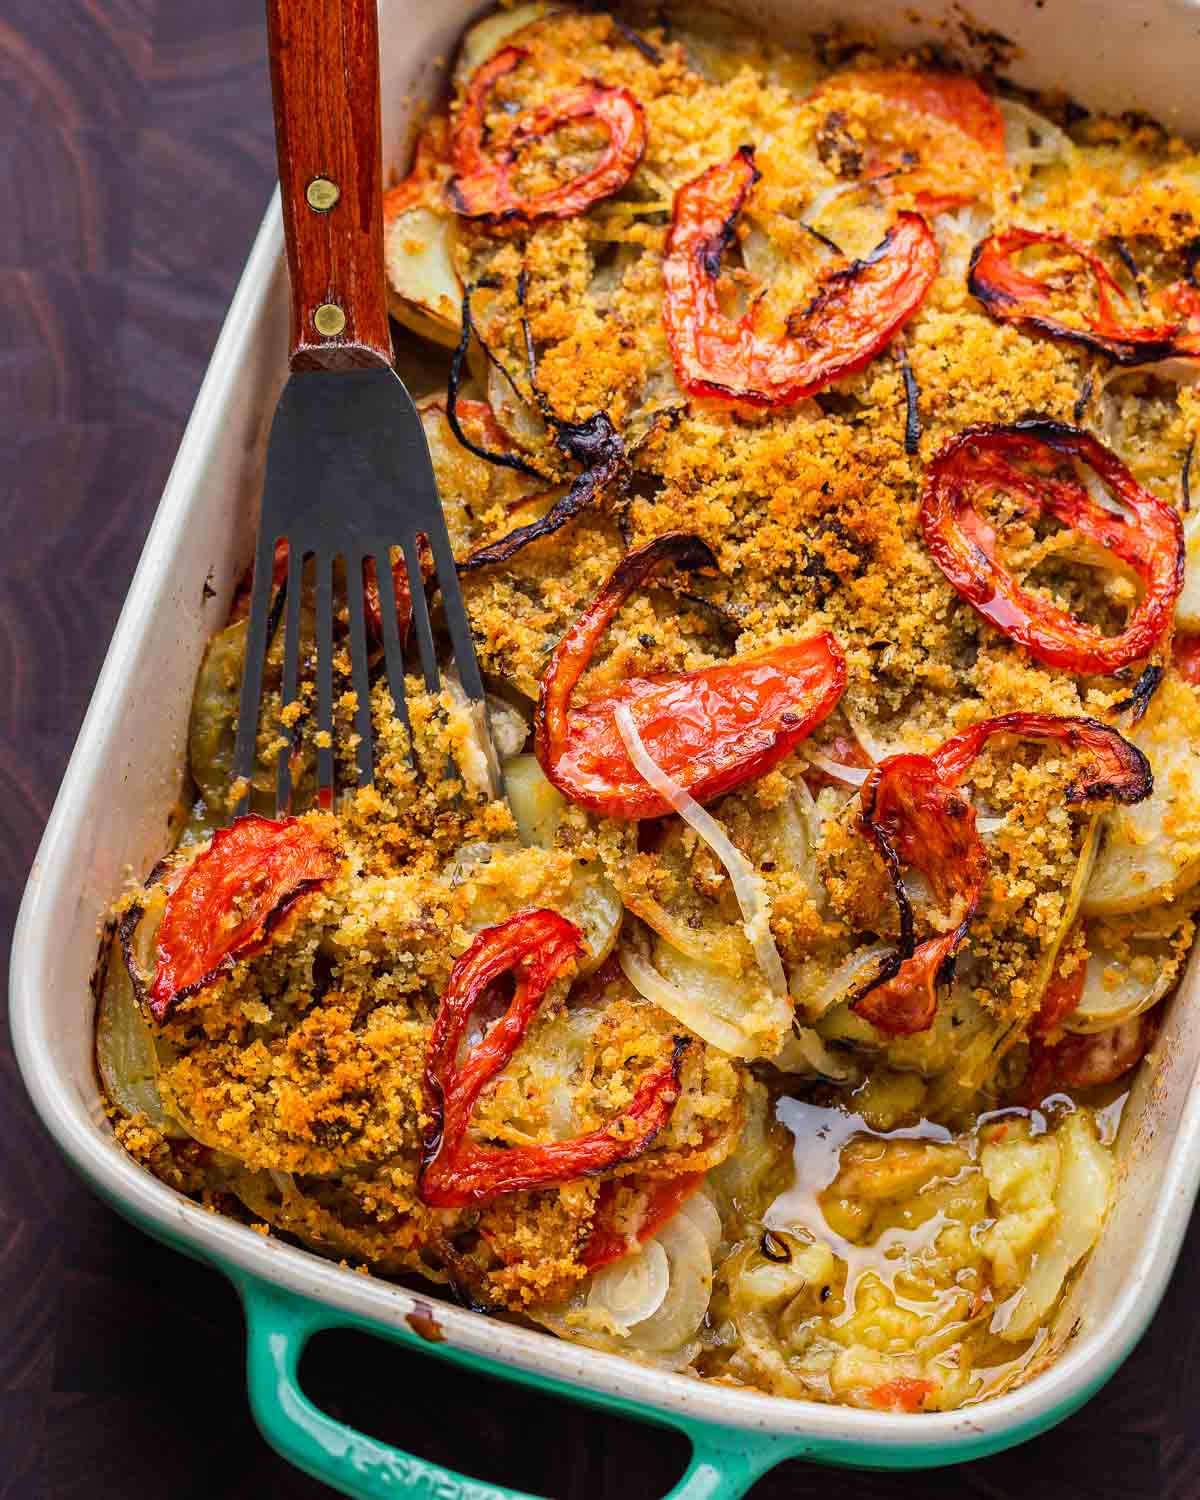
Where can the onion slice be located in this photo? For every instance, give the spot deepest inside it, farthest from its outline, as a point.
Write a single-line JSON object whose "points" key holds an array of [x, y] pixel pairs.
{"points": [[748, 885], [633, 1288], [851, 775], [684, 1006], [703, 1213]]}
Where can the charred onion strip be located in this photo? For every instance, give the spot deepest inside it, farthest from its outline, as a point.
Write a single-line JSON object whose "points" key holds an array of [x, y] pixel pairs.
{"points": [[913, 813], [482, 187], [1148, 683], [635, 39], [665, 1196], [912, 402], [232, 897], [458, 365], [947, 101], [534, 947], [857, 308], [1014, 296], [1146, 535], [708, 730], [594, 444]]}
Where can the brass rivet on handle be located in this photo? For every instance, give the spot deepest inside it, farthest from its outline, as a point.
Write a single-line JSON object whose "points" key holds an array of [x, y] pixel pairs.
{"points": [[322, 194], [330, 319]]}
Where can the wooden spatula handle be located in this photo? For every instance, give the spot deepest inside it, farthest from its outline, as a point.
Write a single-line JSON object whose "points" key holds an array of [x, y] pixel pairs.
{"points": [[325, 82]]}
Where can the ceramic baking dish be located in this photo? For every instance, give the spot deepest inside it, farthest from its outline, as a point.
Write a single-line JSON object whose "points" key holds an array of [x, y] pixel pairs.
{"points": [[127, 768]]}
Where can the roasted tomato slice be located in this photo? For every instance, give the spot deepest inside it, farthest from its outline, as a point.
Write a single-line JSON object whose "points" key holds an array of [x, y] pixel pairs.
{"points": [[917, 819], [955, 133], [1185, 649], [1062, 995], [663, 1197], [1118, 769], [233, 896], [1145, 534], [914, 815], [857, 308], [534, 947], [1015, 296], [1087, 1061], [371, 603], [240, 607], [483, 186], [709, 730]]}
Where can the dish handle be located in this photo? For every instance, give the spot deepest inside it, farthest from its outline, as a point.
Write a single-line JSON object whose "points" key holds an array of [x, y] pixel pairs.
{"points": [[725, 1461]]}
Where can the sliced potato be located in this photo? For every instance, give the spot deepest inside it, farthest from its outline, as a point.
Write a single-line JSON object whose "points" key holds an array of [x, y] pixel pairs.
{"points": [[537, 808], [537, 804], [1128, 971], [424, 292], [1081, 1202], [1151, 851], [486, 37]]}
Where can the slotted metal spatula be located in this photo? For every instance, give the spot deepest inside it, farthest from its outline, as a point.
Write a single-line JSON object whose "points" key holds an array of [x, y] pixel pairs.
{"points": [[348, 470]]}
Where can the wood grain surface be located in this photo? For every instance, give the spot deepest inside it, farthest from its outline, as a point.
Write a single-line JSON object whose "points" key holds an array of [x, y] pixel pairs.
{"points": [[135, 160]]}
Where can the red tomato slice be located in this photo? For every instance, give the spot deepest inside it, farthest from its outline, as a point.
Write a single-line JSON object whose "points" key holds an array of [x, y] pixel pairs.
{"points": [[709, 730], [914, 816], [917, 819], [1014, 296], [664, 1197], [420, 186], [483, 186], [232, 898], [240, 608], [1146, 535], [1062, 995], [1185, 651], [858, 306], [964, 149], [1118, 770], [1087, 1061], [535, 947]]}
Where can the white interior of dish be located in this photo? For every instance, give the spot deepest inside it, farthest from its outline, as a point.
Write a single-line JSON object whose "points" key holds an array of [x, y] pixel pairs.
{"points": [[111, 816]]}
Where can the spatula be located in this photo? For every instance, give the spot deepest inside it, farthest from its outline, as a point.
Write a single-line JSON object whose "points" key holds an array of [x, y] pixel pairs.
{"points": [[348, 470]]}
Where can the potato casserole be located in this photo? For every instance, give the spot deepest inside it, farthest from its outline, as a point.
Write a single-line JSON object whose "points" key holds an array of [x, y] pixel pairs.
{"points": [[815, 430]]}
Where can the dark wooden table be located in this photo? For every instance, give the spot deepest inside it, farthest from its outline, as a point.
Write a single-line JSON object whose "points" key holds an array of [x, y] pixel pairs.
{"points": [[135, 160]]}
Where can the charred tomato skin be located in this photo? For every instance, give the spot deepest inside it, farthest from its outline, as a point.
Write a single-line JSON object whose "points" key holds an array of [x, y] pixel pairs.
{"points": [[857, 308], [482, 186], [960, 542], [535, 947], [1014, 296], [710, 730]]}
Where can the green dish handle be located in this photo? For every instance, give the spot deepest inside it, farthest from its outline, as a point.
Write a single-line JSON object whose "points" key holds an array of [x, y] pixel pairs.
{"points": [[725, 1461]]}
